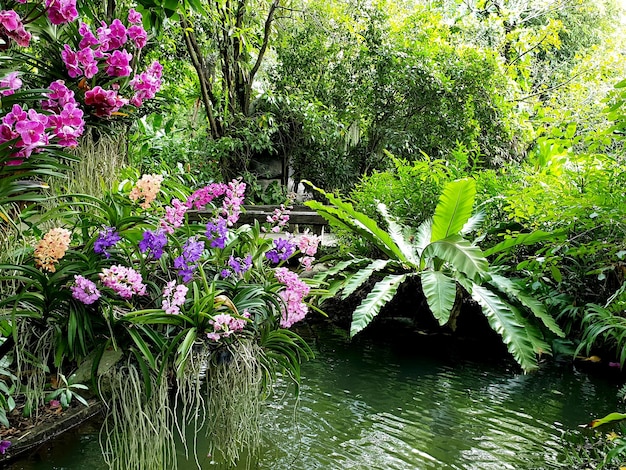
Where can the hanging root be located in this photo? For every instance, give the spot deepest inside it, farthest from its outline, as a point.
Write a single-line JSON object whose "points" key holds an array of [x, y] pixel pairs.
{"points": [[32, 353], [234, 397], [137, 433], [221, 391], [189, 404]]}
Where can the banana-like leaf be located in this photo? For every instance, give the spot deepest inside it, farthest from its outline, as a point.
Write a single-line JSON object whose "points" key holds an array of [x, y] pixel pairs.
{"points": [[454, 208], [504, 322], [440, 292], [382, 293], [524, 239], [360, 277], [396, 232], [538, 309], [460, 254]]}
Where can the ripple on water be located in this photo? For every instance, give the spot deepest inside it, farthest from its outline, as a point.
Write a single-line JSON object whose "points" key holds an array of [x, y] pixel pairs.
{"points": [[362, 406], [373, 409]]}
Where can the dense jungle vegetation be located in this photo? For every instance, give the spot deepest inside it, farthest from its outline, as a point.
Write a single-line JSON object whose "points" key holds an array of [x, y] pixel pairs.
{"points": [[470, 150]]}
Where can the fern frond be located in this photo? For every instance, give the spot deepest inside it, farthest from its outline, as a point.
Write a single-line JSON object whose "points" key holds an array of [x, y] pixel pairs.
{"points": [[381, 294], [508, 325], [440, 293], [454, 208], [603, 326], [512, 289], [361, 276]]}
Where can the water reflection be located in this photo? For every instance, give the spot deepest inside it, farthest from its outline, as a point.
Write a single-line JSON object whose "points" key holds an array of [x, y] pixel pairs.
{"points": [[365, 405]]}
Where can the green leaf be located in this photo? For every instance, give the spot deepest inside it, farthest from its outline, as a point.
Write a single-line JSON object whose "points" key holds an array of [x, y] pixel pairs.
{"points": [[143, 347], [610, 418], [538, 309], [182, 354], [473, 223], [340, 267], [345, 215], [360, 277], [396, 232], [3, 418], [524, 239], [504, 322], [145, 373], [440, 292], [460, 254], [382, 293], [454, 208], [422, 236]]}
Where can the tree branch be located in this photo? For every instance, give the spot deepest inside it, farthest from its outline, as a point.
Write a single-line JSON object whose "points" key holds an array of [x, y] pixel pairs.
{"points": [[559, 85], [527, 51], [266, 38], [198, 63]]}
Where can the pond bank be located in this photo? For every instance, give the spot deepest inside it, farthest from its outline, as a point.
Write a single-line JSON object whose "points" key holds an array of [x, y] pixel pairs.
{"points": [[28, 434]]}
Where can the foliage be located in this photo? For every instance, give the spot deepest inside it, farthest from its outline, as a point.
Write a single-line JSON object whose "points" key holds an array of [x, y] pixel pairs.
{"points": [[601, 450], [539, 43], [605, 326], [410, 189], [586, 266], [448, 266], [155, 145], [66, 391], [134, 274], [226, 44], [58, 77], [392, 78], [7, 389]]}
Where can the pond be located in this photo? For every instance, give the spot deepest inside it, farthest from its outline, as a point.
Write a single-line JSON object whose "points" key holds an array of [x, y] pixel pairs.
{"points": [[400, 404]]}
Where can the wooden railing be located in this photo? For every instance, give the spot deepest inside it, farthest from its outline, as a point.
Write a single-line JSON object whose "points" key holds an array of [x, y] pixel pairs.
{"points": [[299, 215]]}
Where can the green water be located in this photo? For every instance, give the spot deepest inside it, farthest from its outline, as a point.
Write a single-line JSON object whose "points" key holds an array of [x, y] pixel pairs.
{"points": [[376, 405]]}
